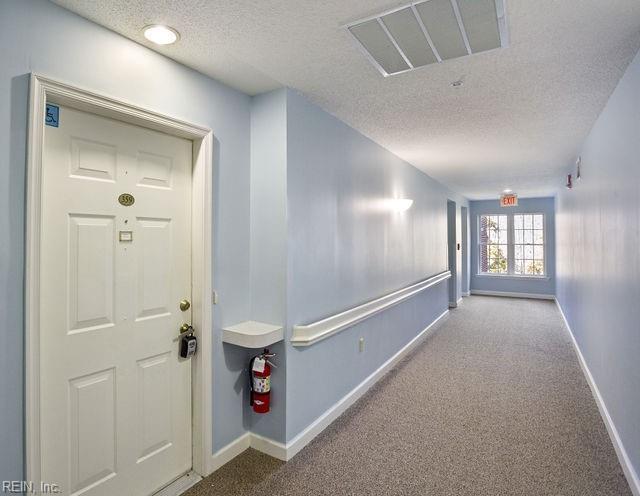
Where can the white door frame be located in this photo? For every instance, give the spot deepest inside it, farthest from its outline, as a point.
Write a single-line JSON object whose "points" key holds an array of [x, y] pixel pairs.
{"points": [[45, 90]]}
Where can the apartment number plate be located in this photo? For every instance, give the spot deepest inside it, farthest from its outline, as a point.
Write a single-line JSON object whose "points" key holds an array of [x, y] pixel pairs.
{"points": [[126, 199]]}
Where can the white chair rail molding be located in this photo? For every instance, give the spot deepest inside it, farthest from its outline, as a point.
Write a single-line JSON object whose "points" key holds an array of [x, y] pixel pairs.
{"points": [[306, 335]]}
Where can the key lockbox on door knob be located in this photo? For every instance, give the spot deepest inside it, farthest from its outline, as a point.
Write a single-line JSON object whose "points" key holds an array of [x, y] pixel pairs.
{"points": [[188, 342]]}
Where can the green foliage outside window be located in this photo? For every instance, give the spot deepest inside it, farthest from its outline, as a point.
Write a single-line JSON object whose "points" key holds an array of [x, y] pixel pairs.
{"points": [[497, 259]]}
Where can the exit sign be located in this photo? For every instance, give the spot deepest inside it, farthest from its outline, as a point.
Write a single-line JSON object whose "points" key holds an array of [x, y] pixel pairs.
{"points": [[509, 200]]}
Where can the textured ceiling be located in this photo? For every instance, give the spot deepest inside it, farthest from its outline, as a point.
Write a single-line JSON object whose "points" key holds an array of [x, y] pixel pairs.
{"points": [[518, 120]]}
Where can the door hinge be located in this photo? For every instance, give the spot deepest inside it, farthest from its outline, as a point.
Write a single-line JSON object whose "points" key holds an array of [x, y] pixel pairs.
{"points": [[214, 298]]}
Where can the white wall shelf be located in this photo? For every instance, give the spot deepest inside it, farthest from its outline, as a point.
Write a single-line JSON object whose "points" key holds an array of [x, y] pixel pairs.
{"points": [[252, 334]]}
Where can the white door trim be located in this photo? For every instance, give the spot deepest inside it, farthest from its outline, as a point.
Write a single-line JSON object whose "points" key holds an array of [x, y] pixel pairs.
{"points": [[45, 90]]}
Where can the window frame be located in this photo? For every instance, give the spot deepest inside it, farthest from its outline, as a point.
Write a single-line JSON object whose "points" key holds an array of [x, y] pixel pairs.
{"points": [[510, 274]]}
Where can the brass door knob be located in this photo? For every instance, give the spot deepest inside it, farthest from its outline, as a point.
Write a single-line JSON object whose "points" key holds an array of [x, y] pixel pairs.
{"points": [[185, 305]]}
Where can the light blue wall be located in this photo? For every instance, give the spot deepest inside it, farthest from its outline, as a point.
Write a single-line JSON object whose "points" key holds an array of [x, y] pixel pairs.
{"points": [[41, 37], [344, 248], [269, 206], [269, 242], [514, 284], [599, 257]]}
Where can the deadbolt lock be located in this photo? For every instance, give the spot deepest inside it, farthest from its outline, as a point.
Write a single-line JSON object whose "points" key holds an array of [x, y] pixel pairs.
{"points": [[185, 305]]}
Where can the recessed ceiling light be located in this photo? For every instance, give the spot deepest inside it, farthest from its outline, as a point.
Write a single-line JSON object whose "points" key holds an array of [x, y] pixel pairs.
{"points": [[507, 191], [160, 35]]}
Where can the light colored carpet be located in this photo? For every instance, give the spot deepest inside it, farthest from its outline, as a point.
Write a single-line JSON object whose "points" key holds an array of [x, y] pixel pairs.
{"points": [[494, 403]]}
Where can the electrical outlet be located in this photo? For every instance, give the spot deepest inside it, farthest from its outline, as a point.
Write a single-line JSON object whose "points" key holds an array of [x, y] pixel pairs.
{"points": [[361, 344]]}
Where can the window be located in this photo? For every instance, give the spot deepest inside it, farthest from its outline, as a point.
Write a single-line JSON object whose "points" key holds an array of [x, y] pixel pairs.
{"points": [[511, 244], [529, 244], [493, 244]]}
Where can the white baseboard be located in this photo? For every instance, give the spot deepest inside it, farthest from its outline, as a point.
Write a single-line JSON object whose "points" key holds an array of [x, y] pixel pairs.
{"points": [[466, 293], [623, 457], [230, 451], [509, 294], [286, 452], [322, 422], [244, 442], [269, 447]]}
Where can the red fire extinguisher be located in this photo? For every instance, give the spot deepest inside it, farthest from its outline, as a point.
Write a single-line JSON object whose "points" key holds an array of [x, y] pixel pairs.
{"points": [[261, 381]]}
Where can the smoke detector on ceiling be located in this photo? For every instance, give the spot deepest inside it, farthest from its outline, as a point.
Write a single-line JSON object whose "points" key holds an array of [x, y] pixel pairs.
{"points": [[430, 31]]}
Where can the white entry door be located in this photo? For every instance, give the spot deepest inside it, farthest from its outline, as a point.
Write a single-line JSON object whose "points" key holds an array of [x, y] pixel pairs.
{"points": [[115, 400]]}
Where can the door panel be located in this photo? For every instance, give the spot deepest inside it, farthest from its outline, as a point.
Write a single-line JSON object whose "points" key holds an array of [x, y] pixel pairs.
{"points": [[154, 405], [154, 171], [116, 415], [92, 405], [93, 160], [91, 272], [154, 267]]}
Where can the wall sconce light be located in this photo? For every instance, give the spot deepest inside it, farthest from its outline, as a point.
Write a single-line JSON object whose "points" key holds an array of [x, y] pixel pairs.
{"points": [[400, 204]]}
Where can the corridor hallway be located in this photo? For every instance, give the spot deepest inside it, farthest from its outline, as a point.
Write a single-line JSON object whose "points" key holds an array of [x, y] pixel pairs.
{"points": [[493, 403]]}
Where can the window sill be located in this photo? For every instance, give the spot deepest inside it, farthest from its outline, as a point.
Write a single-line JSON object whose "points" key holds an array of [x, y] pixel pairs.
{"points": [[514, 276]]}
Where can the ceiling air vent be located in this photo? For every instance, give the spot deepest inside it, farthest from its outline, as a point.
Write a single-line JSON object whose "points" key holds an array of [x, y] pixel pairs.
{"points": [[430, 31]]}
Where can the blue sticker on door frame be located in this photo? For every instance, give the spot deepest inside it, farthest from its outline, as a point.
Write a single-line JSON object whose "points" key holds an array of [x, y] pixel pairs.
{"points": [[53, 115]]}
